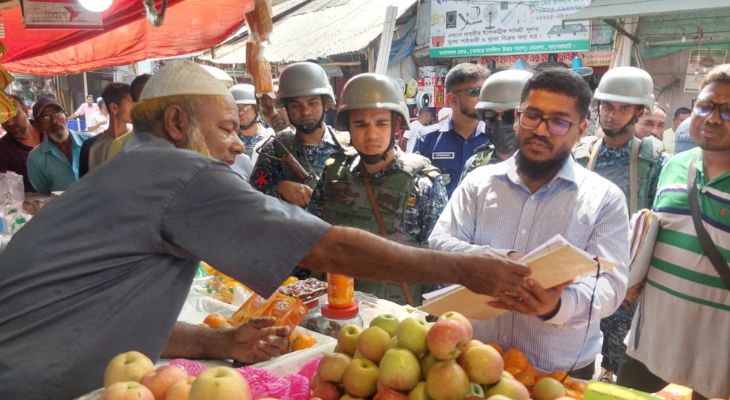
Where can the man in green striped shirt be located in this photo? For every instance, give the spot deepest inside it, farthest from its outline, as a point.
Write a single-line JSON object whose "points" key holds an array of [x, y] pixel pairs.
{"points": [[680, 331]]}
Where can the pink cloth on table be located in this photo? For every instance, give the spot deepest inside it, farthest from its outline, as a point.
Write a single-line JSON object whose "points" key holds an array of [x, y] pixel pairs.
{"points": [[264, 383]]}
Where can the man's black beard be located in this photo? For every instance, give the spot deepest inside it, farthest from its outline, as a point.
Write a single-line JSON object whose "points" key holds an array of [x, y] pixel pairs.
{"points": [[309, 128], [541, 170]]}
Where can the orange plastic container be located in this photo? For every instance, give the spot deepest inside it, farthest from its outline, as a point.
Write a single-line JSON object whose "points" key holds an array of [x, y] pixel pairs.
{"points": [[288, 311], [340, 291]]}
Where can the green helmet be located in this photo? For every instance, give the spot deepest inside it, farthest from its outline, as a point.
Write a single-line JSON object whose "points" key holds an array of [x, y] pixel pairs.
{"points": [[370, 90], [243, 93], [304, 79], [502, 90], [628, 85]]}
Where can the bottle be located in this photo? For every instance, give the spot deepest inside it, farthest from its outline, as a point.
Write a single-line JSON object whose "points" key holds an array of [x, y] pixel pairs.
{"points": [[333, 319], [340, 291]]}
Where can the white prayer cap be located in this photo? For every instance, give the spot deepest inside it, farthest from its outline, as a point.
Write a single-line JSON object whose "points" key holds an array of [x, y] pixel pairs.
{"points": [[183, 78]]}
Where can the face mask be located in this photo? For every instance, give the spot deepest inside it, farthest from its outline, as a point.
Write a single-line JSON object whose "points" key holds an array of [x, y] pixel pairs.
{"points": [[503, 137]]}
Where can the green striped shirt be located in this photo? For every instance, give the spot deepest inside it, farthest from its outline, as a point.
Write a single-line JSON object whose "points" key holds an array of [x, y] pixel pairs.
{"points": [[681, 329]]}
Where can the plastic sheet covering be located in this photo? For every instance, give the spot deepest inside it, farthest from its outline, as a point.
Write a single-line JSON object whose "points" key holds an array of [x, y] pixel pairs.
{"points": [[127, 37]]}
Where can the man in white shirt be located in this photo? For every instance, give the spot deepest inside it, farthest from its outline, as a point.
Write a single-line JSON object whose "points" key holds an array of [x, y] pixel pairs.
{"points": [[425, 117], [88, 110]]}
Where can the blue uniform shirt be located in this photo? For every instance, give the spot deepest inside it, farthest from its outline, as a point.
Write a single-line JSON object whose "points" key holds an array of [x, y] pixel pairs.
{"points": [[448, 151]]}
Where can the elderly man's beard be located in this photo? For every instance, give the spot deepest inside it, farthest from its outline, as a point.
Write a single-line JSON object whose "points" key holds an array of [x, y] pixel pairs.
{"points": [[538, 170], [58, 134], [196, 140]]}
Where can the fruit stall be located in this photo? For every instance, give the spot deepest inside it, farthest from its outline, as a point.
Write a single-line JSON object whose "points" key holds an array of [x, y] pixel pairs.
{"points": [[386, 352]]}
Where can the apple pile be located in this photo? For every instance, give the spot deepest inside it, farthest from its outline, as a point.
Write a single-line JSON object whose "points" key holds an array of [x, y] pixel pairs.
{"points": [[415, 360], [133, 376]]}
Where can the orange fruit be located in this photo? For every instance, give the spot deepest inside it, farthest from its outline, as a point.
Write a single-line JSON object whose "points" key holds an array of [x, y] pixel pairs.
{"points": [[574, 394], [525, 377], [515, 358], [497, 347], [303, 341], [513, 370], [578, 386], [561, 376], [216, 321]]}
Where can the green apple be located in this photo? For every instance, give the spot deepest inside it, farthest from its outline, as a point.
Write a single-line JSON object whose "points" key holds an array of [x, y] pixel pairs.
{"points": [[548, 389], [399, 369], [220, 383], [447, 381], [392, 344], [388, 322], [332, 367], [127, 391], [372, 343], [361, 378], [412, 333], [419, 392], [510, 388], [427, 361], [475, 391], [347, 339], [358, 356], [348, 397], [472, 343], [129, 366], [483, 364]]}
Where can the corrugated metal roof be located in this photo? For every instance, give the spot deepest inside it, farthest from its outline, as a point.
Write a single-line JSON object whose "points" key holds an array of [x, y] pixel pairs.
{"points": [[628, 8], [321, 28]]}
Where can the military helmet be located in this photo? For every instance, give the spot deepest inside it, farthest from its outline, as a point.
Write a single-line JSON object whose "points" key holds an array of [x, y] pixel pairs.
{"points": [[502, 90], [628, 85], [370, 90], [243, 93], [304, 79]]}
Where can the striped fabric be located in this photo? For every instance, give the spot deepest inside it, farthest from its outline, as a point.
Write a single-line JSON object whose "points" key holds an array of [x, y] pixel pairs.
{"points": [[492, 209], [681, 329]]}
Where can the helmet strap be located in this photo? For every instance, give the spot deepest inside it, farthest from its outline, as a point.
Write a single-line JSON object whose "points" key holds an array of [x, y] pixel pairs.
{"points": [[371, 160], [621, 131], [306, 129]]}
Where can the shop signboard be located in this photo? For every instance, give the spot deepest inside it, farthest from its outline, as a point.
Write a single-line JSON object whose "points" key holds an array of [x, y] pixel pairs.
{"points": [[700, 62], [59, 14], [462, 28]]}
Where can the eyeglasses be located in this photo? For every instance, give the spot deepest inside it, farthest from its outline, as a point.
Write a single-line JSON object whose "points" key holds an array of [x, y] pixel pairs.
{"points": [[471, 92], [704, 108], [532, 120], [48, 117], [508, 117]]}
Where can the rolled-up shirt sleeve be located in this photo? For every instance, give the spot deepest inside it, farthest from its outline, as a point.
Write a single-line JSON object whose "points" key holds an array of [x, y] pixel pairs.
{"points": [[219, 218]]}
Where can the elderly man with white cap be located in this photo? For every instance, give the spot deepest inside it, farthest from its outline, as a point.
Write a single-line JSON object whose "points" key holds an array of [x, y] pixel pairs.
{"points": [[125, 243]]}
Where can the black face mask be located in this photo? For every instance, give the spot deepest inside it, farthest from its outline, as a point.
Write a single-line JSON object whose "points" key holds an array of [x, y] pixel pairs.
{"points": [[502, 133]]}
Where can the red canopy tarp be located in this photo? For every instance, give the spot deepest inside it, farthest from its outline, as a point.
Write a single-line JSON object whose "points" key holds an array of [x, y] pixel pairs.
{"points": [[127, 37]]}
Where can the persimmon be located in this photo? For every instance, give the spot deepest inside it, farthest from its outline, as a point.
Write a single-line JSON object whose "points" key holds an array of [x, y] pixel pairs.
{"points": [[303, 341], [514, 357], [216, 321]]}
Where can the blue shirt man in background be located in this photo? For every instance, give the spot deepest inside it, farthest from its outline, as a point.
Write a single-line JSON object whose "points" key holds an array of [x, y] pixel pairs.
{"points": [[449, 146]]}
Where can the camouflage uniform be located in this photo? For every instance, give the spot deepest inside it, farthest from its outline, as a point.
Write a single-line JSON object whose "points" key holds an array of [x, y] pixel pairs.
{"points": [[269, 172], [614, 165], [251, 141], [410, 195]]}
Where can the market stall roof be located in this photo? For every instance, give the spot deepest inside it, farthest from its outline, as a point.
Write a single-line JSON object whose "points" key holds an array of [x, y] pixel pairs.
{"points": [[321, 28], [127, 37], [606, 9]]}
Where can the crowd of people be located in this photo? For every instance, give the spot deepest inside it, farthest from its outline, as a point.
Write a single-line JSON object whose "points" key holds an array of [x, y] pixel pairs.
{"points": [[259, 185]]}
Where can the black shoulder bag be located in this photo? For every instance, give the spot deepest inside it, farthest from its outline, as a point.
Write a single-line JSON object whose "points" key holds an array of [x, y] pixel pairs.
{"points": [[706, 242]]}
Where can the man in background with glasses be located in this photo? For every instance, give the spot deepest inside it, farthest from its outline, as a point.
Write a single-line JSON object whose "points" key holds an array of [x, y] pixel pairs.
{"points": [[679, 332], [517, 205], [54, 164], [624, 98], [449, 146]]}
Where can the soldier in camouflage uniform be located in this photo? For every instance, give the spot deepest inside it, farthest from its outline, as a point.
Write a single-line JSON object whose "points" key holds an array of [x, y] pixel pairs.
{"points": [[251, 131], [306, 93], [498, 99], [623, 96], [406, 188]]}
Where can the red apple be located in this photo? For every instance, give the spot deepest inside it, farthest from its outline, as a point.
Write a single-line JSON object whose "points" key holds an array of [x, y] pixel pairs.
{"points": [[127, 391], [160, 379], [326, 391], [129, 366], [446, 338], [180, 390], [447, 381], [220, 383], [462, 319], [332, 367], [427, 361]]}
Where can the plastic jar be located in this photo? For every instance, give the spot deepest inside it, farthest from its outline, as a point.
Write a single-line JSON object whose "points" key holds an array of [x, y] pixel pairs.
{"points": [[314, 313], [333, 319], [340, 291]]}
